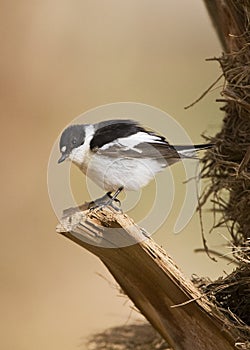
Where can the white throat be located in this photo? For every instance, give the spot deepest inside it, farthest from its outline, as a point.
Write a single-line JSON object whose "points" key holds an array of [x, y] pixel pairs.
{"points": [[81, 155]]}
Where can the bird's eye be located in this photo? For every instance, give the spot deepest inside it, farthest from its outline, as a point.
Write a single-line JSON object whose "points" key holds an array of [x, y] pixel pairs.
{"points": [[74, 141]]}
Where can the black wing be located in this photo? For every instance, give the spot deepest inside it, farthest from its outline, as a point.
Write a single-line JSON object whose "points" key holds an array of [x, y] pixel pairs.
{"points": [[107, 131]]}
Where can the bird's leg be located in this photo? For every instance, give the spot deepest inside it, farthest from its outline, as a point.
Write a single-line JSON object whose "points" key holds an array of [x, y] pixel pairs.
{"points": [[107, 199], [116, 194]]}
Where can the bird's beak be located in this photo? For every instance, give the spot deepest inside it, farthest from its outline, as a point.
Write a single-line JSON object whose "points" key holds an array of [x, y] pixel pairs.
{"points": [[62, 158]]}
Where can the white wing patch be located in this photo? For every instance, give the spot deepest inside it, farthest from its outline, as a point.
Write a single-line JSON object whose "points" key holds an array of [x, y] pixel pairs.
{"points": [[132, 141]]}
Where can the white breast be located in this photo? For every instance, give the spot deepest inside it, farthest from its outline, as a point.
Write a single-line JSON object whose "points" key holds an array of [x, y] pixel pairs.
{"points": [[131, 174]]}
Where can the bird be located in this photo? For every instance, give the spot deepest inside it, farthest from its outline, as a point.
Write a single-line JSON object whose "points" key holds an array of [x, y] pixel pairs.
{"points": [[120, 154]]}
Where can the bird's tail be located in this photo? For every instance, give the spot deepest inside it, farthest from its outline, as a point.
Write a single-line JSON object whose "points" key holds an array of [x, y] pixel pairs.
{"points": [[189, 151], [203, 146]]}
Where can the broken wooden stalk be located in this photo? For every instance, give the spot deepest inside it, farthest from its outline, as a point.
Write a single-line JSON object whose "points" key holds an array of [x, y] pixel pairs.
{"points": [[150, 279]]}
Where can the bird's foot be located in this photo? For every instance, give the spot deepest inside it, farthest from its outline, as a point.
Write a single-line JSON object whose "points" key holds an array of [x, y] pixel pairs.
{"points": [[106, 200]]}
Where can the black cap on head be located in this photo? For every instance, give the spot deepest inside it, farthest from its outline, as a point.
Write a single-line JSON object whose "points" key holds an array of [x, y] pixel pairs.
{"points": [[71, 138]]}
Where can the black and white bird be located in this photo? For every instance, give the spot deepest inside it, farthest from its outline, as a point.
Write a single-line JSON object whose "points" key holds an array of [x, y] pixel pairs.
{"points": [[120, 154]]}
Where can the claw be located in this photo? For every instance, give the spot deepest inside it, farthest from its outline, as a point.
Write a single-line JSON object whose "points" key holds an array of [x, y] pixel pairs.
{"points": [[106, 200]]}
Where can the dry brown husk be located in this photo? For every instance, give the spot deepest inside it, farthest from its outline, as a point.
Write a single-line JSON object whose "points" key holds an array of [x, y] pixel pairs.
{"points": [[227, 166]]}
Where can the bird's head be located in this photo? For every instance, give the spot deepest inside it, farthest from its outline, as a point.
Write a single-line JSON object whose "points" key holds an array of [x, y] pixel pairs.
{"points": [[71, 139]]}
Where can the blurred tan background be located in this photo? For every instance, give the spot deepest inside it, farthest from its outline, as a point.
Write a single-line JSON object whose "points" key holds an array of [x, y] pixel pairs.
{"points": [[59, 59]]}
